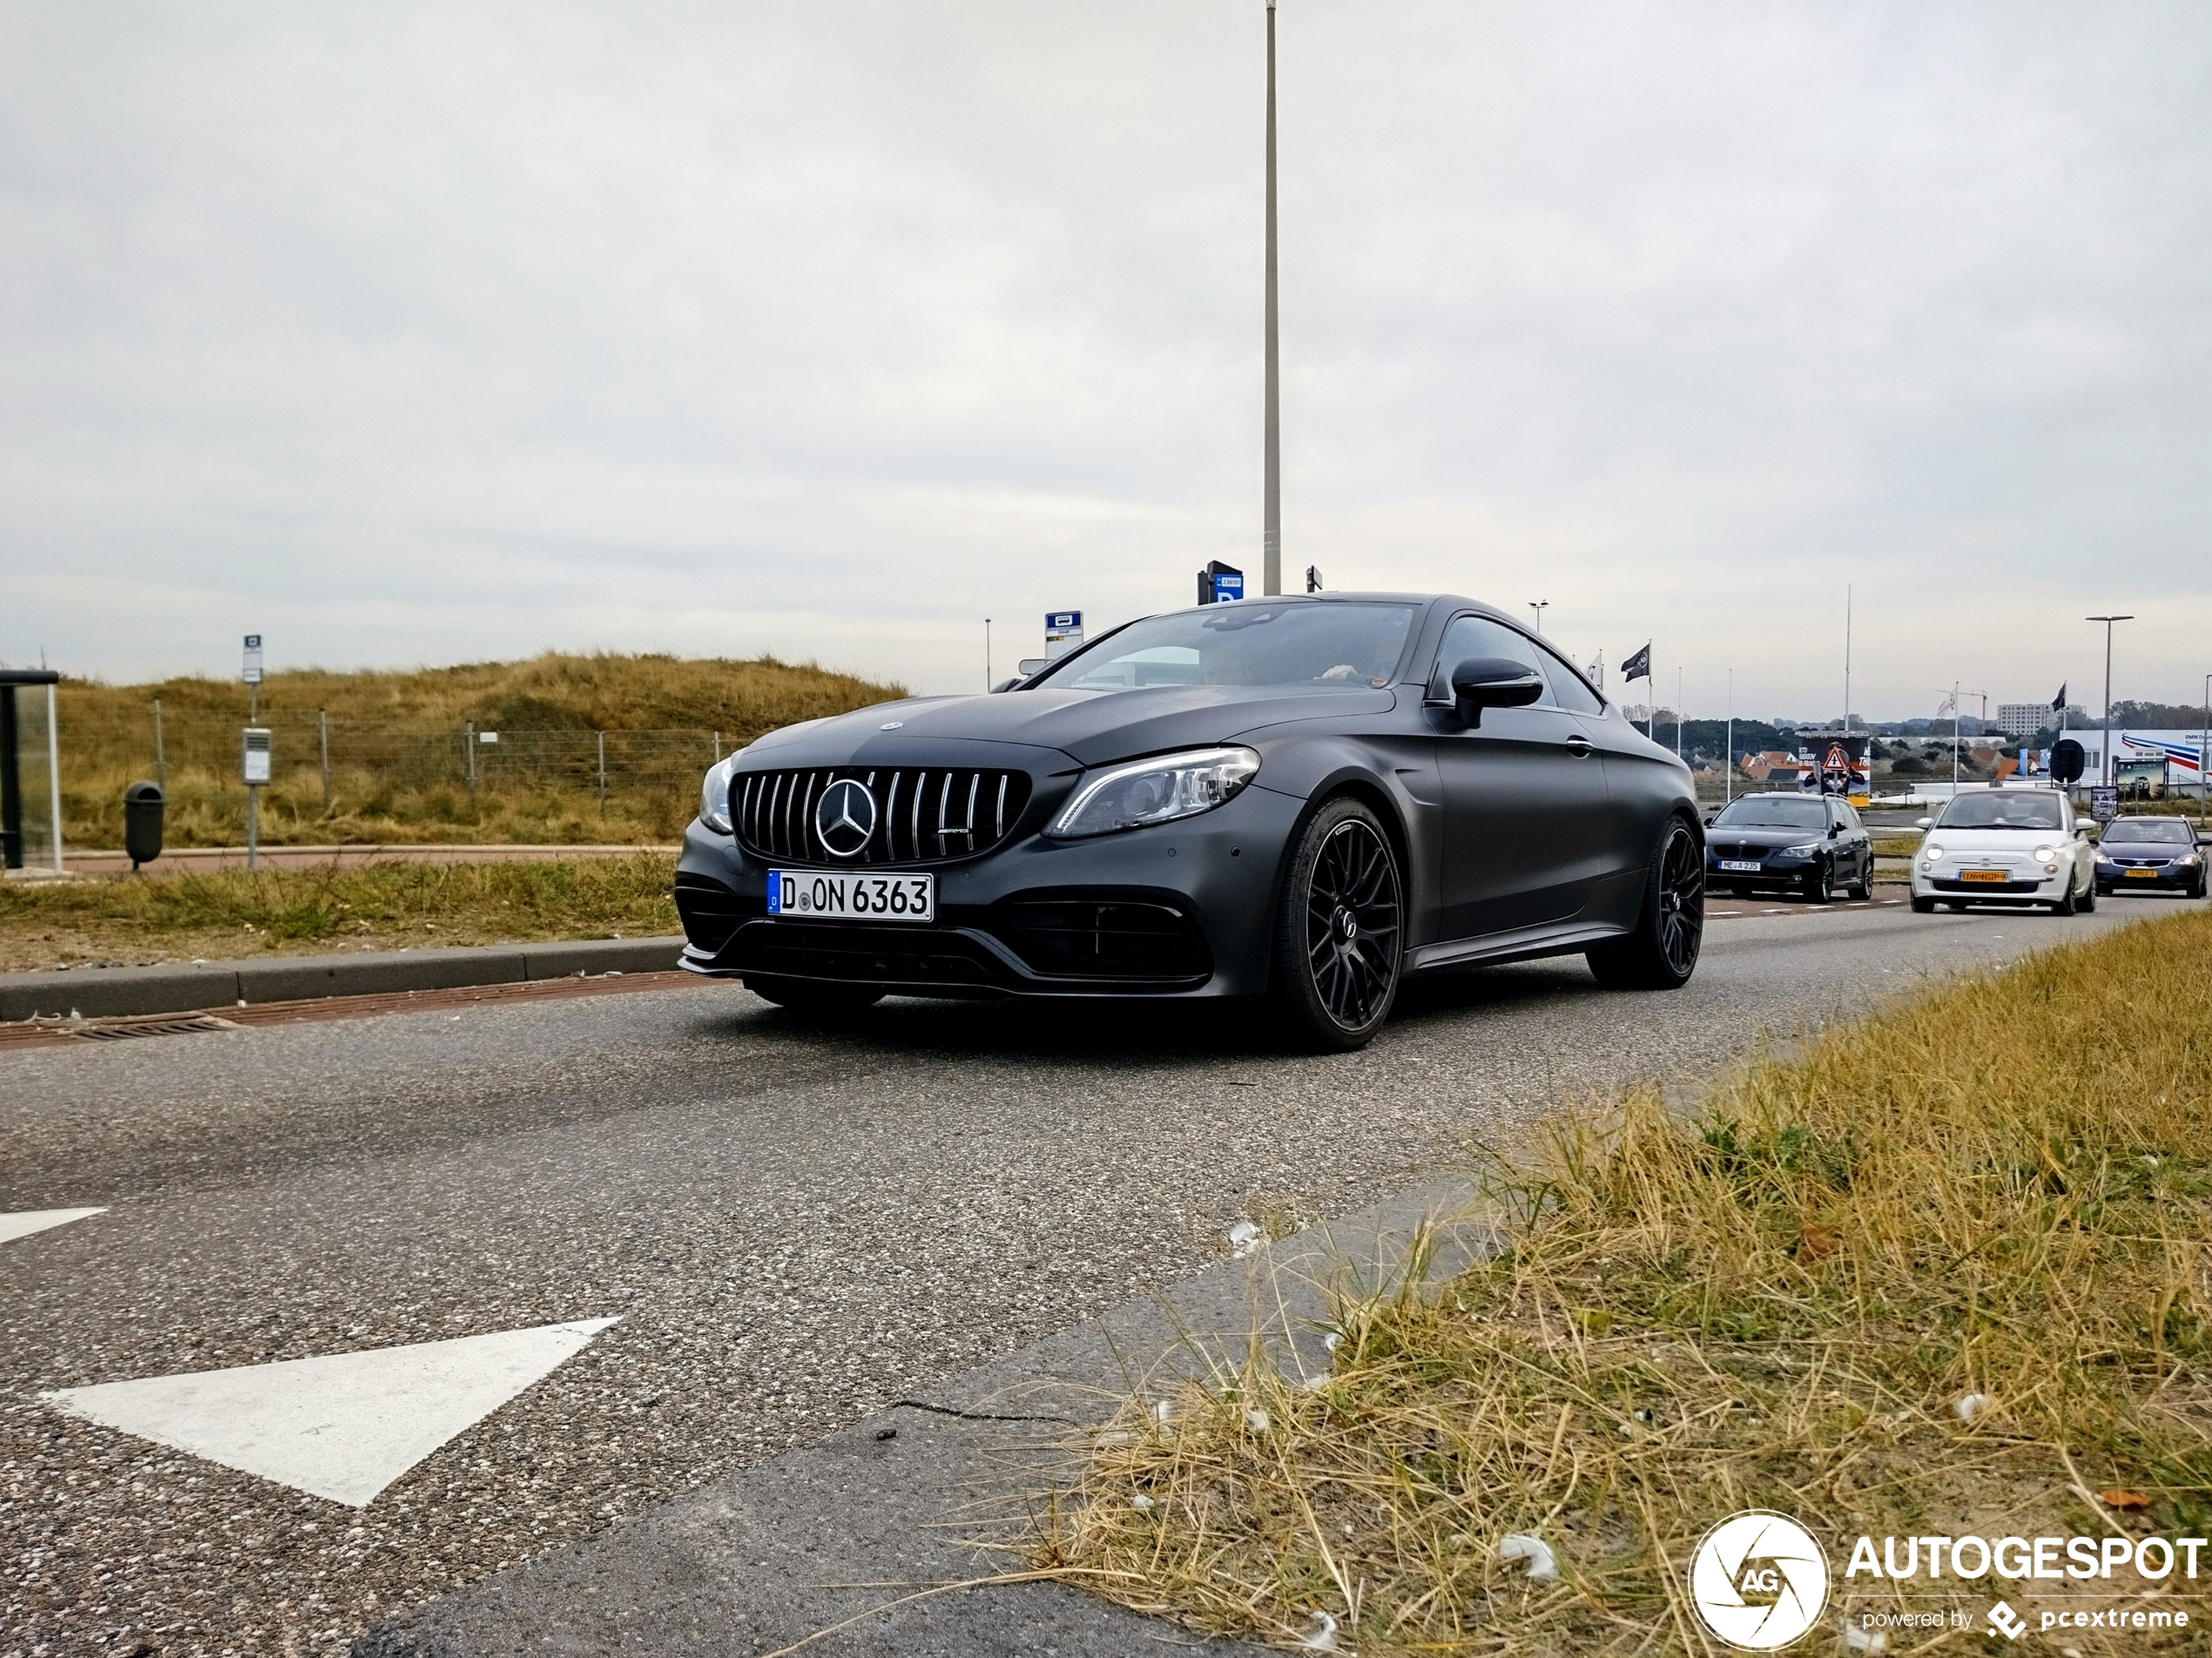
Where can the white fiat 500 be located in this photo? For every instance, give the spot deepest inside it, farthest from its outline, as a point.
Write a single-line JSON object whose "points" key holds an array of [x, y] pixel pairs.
{"points": [[2018, 847]]}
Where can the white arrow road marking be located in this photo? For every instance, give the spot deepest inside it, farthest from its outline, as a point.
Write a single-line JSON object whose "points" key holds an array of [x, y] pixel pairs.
{"points": [[25, 1221], [343, 1425]]}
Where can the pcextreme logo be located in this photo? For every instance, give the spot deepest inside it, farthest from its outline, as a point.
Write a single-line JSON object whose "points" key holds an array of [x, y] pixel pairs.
{"points": [[1758, 1581]]}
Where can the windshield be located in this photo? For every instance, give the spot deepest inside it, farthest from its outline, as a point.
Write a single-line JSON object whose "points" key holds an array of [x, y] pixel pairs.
{"points": [[2002, 812], [1247, 642], [2159, 829], [1773, 811]]}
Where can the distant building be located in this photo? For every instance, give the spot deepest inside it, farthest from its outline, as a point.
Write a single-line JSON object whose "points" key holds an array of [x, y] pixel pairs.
{"points": [[2024, 720]]}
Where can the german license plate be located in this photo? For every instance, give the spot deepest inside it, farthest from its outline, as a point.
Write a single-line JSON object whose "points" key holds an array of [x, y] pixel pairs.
{"points": [[1997, 875], [1737, 867], [2142, 874], [838, 895]]}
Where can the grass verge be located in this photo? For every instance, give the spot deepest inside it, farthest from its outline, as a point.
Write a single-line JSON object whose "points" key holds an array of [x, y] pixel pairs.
{"points": [[134, 920], [2003, 1189]]}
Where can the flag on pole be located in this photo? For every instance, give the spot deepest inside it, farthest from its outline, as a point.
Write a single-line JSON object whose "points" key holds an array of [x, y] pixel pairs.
{"points": [[1638, 666], [2058, 703]]}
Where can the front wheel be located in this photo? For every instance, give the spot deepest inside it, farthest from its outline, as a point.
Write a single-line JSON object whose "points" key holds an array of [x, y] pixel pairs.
{"points": [[1662, 952], [2089, 898], [811, 996], [1339, 929], [1816, 884], [1922, 906], [2065, 906]]}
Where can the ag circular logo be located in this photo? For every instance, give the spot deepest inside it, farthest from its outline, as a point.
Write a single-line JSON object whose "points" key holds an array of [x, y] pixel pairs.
{"points": [[844, 819], [1758, 1581]]}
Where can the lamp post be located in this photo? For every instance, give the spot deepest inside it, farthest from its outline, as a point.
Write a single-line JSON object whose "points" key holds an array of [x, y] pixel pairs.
{"points": [[2104, 767], [2204, 755], [1539, 606], [1271, 534]]}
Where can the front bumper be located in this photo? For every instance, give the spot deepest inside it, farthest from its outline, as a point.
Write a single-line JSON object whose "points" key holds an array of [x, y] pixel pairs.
{"points": [[1774, 870], [2168, 878], [2023, 886], [1182, 910]]}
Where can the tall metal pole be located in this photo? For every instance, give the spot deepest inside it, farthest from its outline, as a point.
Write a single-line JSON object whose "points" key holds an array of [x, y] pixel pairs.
{"points": [[2204, 756], [160, 759], [1954, 739], [1271, 534], [1539, 606], [2104, 770], [987, 653], [1728, 770], [1847, 669], [322, 733]]}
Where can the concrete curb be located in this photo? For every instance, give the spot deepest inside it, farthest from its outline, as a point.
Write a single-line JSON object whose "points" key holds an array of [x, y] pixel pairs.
{"points": [[109, 993]]}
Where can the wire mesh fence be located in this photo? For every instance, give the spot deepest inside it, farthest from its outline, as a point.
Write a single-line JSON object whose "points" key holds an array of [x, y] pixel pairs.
{"points": [[353, 779]]}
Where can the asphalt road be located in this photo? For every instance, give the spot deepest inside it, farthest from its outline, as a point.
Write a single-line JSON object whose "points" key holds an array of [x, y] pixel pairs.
{"points": [[795, 1225]]}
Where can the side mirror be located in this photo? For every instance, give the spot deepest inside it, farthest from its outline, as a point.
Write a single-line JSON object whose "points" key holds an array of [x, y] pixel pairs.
{"points": [[1492, 682], [1007, 685], [1924, 823]]}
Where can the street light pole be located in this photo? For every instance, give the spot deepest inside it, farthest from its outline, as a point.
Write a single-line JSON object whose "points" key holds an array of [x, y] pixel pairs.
{"points": [[1539, 606], [2104, 770], [1270, 534], [2204, 756]]}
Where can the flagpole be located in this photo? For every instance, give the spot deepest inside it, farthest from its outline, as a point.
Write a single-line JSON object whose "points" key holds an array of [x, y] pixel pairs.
{"points": [[1728, 787]]}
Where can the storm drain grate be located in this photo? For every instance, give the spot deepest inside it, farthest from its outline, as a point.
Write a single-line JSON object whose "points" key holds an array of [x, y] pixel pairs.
{"points": [[182, 1025]]}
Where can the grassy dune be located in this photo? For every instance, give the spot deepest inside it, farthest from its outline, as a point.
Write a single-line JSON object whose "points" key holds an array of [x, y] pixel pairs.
{"points": [[135, 920], [2003, 1191], [399, 754]]}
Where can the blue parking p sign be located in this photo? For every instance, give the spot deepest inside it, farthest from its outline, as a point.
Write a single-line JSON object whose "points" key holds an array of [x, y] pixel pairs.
{"points": [[1228, 584]]}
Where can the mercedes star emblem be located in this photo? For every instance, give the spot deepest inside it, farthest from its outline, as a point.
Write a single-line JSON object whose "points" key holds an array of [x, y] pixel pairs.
{"points": [[844, 819]]}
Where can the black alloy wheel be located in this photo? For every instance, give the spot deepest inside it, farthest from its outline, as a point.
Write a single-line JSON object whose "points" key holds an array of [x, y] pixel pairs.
{"points": [[1819, 883], [1662, 952], [1339, 931], [813, 996]]}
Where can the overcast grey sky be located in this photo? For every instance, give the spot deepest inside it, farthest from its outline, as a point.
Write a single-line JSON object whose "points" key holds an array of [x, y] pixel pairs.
{"points": [[414, 334]]}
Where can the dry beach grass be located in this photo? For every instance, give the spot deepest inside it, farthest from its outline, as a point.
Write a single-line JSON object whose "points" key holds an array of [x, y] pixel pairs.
{"points": [[1775, 1300]]}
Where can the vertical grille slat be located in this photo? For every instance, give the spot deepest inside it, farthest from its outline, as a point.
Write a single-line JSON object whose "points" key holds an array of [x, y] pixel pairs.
{"points": [[915, 807]]}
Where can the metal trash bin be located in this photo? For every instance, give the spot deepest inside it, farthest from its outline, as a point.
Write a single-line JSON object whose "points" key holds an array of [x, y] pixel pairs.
{"points": [[142, 808]]}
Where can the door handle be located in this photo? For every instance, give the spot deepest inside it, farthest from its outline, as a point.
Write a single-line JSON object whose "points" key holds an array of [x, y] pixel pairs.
{"points": [[1578, 746]]}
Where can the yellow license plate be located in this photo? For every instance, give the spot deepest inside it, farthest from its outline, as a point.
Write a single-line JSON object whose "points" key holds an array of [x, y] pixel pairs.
{"points": [[1984, 875], [2142, 874]]}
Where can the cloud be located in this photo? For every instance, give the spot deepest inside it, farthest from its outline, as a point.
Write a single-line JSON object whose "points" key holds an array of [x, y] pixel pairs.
{"points": [[408, 334]]}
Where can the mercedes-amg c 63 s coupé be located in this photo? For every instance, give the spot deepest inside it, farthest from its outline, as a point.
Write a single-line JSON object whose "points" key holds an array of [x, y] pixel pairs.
{"points": [[1300, 799]]}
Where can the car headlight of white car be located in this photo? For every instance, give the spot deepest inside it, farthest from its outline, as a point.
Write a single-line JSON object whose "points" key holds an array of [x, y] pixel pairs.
{"points": [[1931, 854], [1160, 790], [2047, 855], [714, 796]]}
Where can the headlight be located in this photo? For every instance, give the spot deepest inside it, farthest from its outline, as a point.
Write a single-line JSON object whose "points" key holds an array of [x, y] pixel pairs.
{"points": [[1931, 852], [1155, 791], [2187, 860], [2104, 857], [1805, 851], [714, 796], [2047, 854]]}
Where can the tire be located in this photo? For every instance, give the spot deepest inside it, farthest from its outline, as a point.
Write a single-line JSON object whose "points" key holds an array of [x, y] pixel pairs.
{"points": [[1339, 932], [2065, 906], [2089, 898], [1862, 890], [812, 996], [1922, 906], [1818, 890], [1662, 952], [2200, 885]]}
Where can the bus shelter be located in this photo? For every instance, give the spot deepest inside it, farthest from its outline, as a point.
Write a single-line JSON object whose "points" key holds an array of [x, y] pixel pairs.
{"points": [[30, 822]]}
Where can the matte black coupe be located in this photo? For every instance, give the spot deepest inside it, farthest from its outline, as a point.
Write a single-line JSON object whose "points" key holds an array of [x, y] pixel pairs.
{"points": [[1300, 799]]}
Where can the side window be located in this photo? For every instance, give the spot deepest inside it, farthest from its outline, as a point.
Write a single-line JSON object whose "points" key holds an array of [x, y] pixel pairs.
{"points": [[1570, 690], [1477, 636]]}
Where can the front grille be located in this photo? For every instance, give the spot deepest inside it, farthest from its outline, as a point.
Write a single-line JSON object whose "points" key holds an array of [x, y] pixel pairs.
{"points": [[1953, 884], [1721, 850], [924, 814], [1113, 940], [864, 954], [2142, 863]]}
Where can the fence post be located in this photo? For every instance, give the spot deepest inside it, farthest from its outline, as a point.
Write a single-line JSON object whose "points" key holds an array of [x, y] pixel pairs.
{"points": [[718, 748], [54, 771], [469, 742], [160, 759], [602, 736], [323, 732]]}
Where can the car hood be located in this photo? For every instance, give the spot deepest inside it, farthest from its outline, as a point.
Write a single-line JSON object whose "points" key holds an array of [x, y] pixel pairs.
{"points": [[1748, 836], [1090, 727]]}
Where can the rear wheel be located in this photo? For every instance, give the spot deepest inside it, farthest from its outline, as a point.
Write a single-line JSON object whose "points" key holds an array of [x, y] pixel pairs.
{"points": [[811, 996], [1338, 931], [1662, 952]]}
